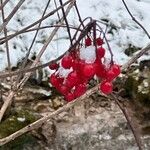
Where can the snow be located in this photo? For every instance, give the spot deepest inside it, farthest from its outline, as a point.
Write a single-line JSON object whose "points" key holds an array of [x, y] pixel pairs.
{"points": [[126, 31], [88, 54]]}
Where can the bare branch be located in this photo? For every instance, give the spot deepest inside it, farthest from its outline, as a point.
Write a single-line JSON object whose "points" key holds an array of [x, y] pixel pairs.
{"points": [[135, 20]]}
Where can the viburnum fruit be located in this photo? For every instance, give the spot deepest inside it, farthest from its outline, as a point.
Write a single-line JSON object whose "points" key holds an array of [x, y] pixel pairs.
{"points": [[54, 66], [69, 97], [72, 79], [89, 70], [116, 69], [106, 87], [54, 80], [66, 62], [80, 90], [64, 89], [88, 42], [99, 41], [100, 52]]}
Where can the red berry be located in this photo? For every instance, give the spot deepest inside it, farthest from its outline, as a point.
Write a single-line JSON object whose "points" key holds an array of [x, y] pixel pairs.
{"points": [[80, 90], [88, 42], [116, 69], [75, 65], [54, 80], [100, 70], [100, 52], [64, 89], [99, 41], [66, 62], [53, 66], [72, 79], [88, 70], [110, 75], [69, 97], [106, 87]]}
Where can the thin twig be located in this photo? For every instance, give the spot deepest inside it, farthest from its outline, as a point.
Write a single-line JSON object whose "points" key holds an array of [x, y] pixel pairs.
{"points": [[7, 45], [66, 21], [9, 99], [127, 116], [3, 4], [34, 38], [36, 22], [135, 20], [82, 35], [11, 14], [41, 121]]}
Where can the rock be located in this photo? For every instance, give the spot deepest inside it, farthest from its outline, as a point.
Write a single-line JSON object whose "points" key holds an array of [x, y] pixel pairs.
{"points": [[103, 129]]}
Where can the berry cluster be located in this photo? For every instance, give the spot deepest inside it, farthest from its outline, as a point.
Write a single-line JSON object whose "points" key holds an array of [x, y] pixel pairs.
{"points": [[76, 69]]}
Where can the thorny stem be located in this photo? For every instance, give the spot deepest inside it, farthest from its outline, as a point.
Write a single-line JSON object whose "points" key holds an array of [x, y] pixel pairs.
{"points": [[135, 20]]}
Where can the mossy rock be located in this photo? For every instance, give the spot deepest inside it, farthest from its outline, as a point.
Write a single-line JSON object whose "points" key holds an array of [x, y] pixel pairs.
{"points": [[15, 122], [131, 87]]}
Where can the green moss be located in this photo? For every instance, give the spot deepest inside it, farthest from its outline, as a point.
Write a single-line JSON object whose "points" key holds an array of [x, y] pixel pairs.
{"points": [[15, 122], [144, 98], [131, 87], [21, 142]]}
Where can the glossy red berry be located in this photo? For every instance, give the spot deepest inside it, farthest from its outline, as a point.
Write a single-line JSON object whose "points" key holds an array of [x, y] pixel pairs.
{"points": [[106, 87], [89, 70], [66, 62], [116, 69], [72, 79], [99, 41], [80, 90], [54, 80], [110, 75], [69, 97], [100, 70], [64, 89], [100, 52], [54, 66], [88, 42]]}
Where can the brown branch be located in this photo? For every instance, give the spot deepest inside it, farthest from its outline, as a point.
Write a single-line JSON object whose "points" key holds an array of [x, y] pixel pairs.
{"points": [[26, 70], [127, 116], [34, 38], [3, 4], [2, 40], [11, 14], [8, 101], [41, 121]]}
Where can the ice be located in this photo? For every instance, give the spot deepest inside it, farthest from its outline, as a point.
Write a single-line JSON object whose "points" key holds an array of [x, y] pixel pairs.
{"points": [[88, 54]]}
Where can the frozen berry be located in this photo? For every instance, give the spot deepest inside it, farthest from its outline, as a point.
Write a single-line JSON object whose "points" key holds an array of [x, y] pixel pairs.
{"points": [[66, 62], [106, 87]]}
